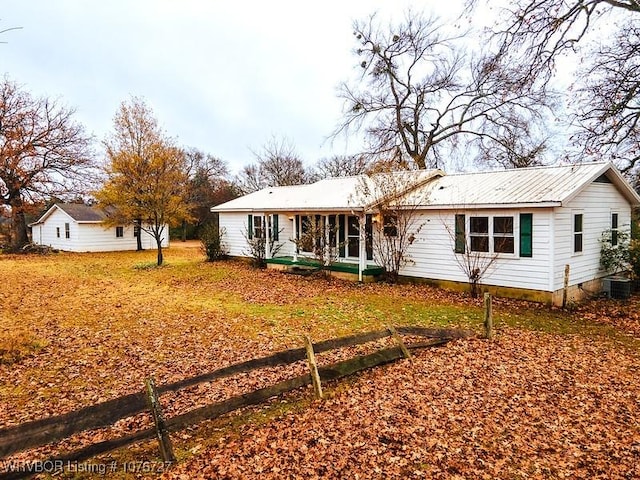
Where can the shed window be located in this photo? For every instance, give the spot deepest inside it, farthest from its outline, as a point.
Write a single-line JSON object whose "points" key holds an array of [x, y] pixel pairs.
{"points": [[503, 235], [479, 234], [614, 229], [67, 231], [119, 232], [58, 232], [577, 233]]}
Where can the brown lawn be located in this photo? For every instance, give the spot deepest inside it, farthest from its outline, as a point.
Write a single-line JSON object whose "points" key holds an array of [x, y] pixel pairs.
{"points": [[555, 395]]}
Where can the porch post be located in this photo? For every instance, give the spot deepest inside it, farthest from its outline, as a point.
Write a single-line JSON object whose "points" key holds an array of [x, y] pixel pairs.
{"points": [[267, 236], [362, 251], [295, 237]]}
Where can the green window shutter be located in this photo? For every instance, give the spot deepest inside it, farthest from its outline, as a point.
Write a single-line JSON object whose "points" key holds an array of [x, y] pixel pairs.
{"points": [[341, 235], [460, 243], [526, 235], [275, 232], [250, 226]]}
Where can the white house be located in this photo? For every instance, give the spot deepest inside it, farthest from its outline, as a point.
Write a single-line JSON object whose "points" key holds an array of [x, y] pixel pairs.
{"points": [[80, 228], [539, 227]]}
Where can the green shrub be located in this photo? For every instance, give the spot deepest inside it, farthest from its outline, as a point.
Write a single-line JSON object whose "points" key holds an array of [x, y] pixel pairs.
{"points": [[212, 240]]}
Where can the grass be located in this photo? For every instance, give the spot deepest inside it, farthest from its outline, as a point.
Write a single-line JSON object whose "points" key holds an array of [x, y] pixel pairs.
{"points": [[81, 328]]}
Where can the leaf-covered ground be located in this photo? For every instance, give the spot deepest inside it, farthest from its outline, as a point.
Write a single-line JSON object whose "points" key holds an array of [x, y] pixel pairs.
{"points": [[554, 396]]}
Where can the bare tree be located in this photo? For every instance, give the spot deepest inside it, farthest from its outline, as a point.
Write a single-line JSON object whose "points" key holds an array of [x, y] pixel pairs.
{"points": [[278, 164], [419, 91], [207, 185], [342, 166], [514, 142], [538, 35], [397, 220], [43, 153], [472, 254]]}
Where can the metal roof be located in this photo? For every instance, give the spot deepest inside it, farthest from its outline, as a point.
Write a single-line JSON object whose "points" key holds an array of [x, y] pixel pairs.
{"points": [[536, 186], [337, 194]]}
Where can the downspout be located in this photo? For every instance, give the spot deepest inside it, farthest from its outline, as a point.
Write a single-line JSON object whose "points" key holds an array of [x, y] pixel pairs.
{"points": [[552, 250]]}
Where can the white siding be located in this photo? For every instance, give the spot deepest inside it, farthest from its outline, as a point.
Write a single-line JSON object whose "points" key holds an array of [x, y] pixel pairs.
{"points": [[88, 237], [433, 257], [596, 202], [235, 228]]}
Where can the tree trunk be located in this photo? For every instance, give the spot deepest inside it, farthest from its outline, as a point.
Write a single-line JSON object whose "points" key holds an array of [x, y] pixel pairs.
{"points": [[19, 236], [138, 224], [184, 230], [160, 257]]}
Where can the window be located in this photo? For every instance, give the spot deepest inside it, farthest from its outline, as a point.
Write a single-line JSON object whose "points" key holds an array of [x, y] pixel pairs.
{"points": [[254, 226], [390, 225], [577, 233], [353, 236], [136, 231], [257, 226], [460, 241], [119, 232], [67, 231], [614, 229], [526, 235], [503, 235], [58, 232], [479, 234]]}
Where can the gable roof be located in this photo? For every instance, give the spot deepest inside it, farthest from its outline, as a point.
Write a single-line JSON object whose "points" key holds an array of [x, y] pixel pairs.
{"points": [[523, 187], [336, 194], [534, 186], [78, 212]]}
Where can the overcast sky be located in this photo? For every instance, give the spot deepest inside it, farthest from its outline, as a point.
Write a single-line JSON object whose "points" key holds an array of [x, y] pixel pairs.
{"points": [[220, 76]]}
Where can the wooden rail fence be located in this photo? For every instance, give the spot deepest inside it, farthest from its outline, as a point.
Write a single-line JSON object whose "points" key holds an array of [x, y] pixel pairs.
{"points": [[48, 430]]}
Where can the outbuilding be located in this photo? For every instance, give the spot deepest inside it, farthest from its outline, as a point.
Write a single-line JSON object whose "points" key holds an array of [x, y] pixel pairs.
{"points": [[81, 228]]}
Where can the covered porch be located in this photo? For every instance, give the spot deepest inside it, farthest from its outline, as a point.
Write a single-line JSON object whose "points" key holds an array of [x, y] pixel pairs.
{"points": [[337, 241]]}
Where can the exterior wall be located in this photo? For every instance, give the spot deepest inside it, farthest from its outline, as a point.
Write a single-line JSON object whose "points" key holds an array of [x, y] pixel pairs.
{"points": [[596, 202], [235, 231], [88, 237], [433, 257]]}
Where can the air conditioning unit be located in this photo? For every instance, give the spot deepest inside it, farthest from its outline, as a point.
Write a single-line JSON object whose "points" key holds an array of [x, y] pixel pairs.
{"points": [[617, 287]]}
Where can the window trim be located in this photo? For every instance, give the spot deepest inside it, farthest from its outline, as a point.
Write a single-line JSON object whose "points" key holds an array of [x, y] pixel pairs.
{"points": [[503, 235], [615, 228], [480, 234], [578, 234], [462, 232], [67, 231], [119, 231]]}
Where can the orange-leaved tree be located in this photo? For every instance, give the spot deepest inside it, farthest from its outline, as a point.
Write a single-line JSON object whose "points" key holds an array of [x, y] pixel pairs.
{"points": [[146, 174]]}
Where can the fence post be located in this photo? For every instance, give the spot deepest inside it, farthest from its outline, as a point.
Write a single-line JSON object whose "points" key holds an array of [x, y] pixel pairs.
{"points": [[566, 285], [313, 367], [399, 341], [166, 449], [488, 316]]}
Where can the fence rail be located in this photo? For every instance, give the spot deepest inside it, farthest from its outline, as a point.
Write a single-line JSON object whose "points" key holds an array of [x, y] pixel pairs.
{"points": [[44, 431]]}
